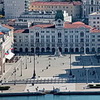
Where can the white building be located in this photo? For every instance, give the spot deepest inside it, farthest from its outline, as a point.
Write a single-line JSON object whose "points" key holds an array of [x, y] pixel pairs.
{"points": [[6, 43], [13, 8], [38, 17], [90, 6], [68, 37], [94, 20]]}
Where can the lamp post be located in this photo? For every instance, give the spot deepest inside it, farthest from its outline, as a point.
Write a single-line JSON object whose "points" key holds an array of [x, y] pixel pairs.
{"points": [[26, 63], [30, 58], [87, 75], [21, 68], [70, 73], [14, 76], [34, 73]]}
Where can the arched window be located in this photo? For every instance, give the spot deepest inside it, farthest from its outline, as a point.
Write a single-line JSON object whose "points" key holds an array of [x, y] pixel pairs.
{"points": [[91, 2], [59, 34], [82, 34], [37, 34]]}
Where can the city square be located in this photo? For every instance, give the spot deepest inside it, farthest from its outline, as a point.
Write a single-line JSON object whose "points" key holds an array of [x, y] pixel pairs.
{"points": [[52, 71]]}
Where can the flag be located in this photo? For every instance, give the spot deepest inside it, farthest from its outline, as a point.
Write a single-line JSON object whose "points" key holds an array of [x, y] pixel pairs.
{"points": [[6, 53]]}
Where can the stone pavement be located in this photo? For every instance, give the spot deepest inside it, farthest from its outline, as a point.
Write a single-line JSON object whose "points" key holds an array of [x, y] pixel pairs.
{"points": [[84, 68]]}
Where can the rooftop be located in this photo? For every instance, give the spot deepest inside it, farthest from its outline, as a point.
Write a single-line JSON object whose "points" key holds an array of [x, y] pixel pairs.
{"points": [[95, 13], [43, 26], [37, 12], [95, 30], [22, 31], [1, 33], [56, 3]]}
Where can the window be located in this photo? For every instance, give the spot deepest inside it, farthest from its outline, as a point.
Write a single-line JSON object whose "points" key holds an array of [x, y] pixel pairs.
{"points": [[82, 40], [59, 34], [59, 40], [98, 35], [66, 31], [98, 39], [26, 36], [14, 36], [37, 34], [42, 36], [42, 31], [82, 34], [87, 44], [53, 37], [47, 31], [52, 31], [93, 36], [37, 40], [93, 40]]}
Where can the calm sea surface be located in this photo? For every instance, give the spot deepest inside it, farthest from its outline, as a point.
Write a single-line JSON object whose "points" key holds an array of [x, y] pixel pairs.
{"points": [[52, 97]]}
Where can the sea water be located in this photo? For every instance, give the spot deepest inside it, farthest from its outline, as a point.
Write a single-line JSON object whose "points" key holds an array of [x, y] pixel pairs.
{"points": [[54, 97]]}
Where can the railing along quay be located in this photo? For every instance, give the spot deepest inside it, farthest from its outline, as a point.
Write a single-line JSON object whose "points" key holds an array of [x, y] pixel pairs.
{"points": [[36, 81]]}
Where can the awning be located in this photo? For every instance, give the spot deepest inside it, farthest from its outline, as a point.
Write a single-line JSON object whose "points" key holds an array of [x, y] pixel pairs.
{"points": [[9, 56]]}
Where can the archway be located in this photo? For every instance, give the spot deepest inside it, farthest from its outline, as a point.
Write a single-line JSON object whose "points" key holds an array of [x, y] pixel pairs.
{"points": [[37, 49], [76, 49], [81, 49], [47, 49], [99, 50], [26, 49], [93, 50], [53, 50], [20, 50], [60, 49], [71, 50], [32, 50], [87, 50], [66, 50], [42, 50]]}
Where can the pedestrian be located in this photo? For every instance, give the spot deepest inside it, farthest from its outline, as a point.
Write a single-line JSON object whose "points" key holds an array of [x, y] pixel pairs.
{"points": [[28, 90], [53, 88], [43, 90]]}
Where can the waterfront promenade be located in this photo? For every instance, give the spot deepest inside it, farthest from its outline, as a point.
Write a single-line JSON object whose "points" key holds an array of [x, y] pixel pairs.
{"points": [[85, 69]]}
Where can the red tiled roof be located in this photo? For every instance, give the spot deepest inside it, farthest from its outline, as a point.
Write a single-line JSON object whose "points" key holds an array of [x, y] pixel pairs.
{"points": [[95, 31], [1, 33], [43, 25], [7, 26], [79, 23], [56, 3], [76, 25], [66, 25], [19, 31]]}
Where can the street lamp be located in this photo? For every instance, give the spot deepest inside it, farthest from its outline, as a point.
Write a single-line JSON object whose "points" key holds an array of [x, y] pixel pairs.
{"points": [[26, 63], [14, 76], [30, 58], [70, 72], [87, 75], [34, 73], [21, 68]]}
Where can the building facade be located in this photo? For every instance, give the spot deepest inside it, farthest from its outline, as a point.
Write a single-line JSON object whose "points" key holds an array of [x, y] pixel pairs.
{"points": [[90, 6], [72, 8], [40, 17], [94, 20], [13, 8], [6, 43], [67, 37]]}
